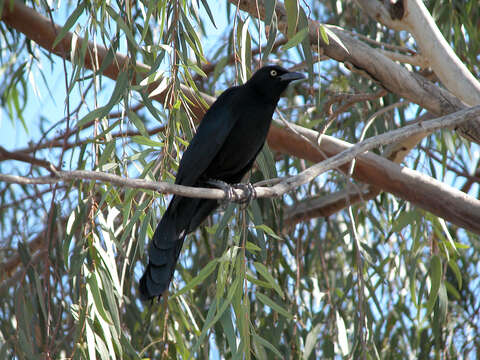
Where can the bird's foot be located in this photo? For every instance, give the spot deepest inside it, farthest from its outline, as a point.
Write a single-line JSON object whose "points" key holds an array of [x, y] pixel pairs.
{"points": [[251, 194], [231, 195]]}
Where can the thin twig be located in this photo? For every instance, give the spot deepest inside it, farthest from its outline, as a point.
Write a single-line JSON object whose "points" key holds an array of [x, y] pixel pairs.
{"points": [[19, 156]]}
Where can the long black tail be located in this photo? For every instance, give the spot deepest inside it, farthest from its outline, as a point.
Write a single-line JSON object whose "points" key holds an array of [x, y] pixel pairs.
{"points": [[183, 215]]}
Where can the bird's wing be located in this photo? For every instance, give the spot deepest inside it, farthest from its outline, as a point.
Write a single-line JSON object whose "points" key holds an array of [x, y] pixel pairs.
{"points": [[207, 142]]}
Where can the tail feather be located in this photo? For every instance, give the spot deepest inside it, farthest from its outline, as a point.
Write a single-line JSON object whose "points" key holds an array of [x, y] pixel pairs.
{"points": [[183, 215], [162, 254], [156, 279]]}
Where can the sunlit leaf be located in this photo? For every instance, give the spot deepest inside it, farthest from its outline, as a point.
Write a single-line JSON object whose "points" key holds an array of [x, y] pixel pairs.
{"points": [[292, 8], [342, 334], [296, 39]]}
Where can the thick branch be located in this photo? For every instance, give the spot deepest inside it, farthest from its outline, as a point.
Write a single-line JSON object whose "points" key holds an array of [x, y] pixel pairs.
{"points": [[393, 136], [442, 59], [423, 191], [324, 206], [392, 76]]}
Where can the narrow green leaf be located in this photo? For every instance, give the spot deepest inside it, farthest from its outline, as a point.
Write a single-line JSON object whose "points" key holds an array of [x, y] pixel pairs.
{"points": [[95, 114], [412, 278], [272, 34], [213, 317], [266, 162], [209, 12], [262, 269], [449, 142], [452, 290], [442, 304], [435, 274], [90, 341], [453, 265], [444, 228], [224, 221], [459, 245], [273, 305], [268, 231], [111, 303], [252, 247], [332, 35], [311, 341], [267, 344], [97, 297], [101, 347], [269, 10], [245, 51], [72, 19], [142, 140], [227, 325], [292, 17], [135, 119], [323, 34], [195, 42], [106, 154], [258, 282], [146, 20], [405, 218], [296, 39], [202, 275], [306, 46], [120, 87], [122, 25], [40, 296]]}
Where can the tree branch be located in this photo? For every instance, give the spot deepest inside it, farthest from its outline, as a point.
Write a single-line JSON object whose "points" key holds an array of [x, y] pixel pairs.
{"points": [[369, 168], [324, 206], [426, 128], [422, 190], [441, 58], [5, 154], [392, 76]]}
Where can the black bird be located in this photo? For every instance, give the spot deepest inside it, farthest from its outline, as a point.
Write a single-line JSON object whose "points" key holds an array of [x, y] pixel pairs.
{"points": [[227, 141]]}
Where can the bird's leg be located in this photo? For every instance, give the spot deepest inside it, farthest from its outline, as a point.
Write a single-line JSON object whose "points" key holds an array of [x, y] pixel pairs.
{"points": [[229, 193], [250, 191]]}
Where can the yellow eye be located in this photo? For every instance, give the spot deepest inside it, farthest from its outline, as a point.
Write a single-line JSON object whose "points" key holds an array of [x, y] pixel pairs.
{"points": [[273, 72]]}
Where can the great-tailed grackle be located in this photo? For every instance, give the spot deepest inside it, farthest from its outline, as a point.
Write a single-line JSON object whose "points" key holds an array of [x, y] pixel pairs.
{"points": [[227, 141]]}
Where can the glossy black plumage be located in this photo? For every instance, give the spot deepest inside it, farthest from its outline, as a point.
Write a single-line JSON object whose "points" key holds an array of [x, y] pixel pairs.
{"points": [[229, 138]]}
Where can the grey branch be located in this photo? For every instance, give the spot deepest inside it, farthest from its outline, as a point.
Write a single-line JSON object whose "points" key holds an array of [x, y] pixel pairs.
{"points": [[289, 184], [426, 127]]}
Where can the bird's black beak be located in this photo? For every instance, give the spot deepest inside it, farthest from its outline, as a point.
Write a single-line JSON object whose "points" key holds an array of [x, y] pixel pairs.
{"points": [[290, 76]]}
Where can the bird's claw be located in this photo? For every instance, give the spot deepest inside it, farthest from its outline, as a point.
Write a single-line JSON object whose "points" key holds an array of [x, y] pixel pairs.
{"points": [[231, 195], [251, 194]]}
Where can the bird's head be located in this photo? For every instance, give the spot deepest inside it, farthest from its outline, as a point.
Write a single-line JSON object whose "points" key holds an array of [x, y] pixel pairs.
{"points": [[272, 80]]}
